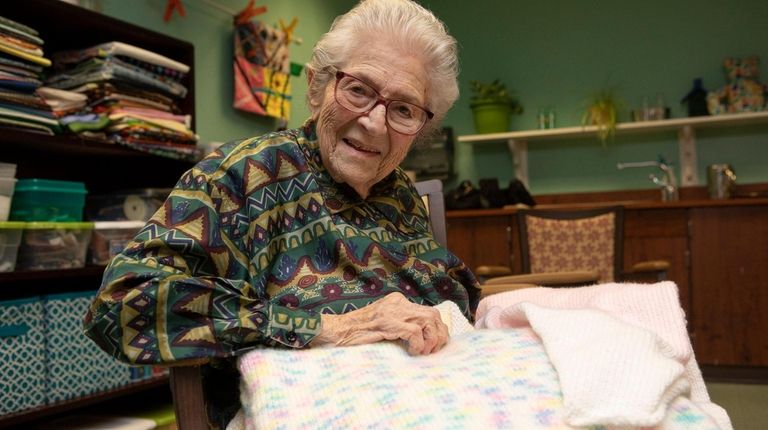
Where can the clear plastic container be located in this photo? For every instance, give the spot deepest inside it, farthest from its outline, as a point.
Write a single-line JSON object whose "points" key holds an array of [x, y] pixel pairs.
{"points": [[127, 205], [110, 237], [7, 185], [10, 238], [54, 245], [7, 170]]}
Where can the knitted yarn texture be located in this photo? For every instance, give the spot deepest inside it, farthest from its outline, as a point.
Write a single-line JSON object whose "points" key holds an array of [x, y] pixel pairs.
{"points": [[482, 379]]}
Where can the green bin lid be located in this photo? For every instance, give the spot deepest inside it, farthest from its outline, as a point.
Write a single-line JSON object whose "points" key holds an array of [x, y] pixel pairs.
{"points": [[50, 185], [162, 415], [58, 225]]}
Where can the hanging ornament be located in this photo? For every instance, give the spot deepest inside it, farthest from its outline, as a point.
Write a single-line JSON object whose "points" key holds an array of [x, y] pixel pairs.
{"points": [[249, 12], [288, 30], [170, 7]]}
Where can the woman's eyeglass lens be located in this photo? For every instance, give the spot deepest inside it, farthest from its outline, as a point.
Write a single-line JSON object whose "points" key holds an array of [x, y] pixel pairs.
{"points": [[359, 97]]}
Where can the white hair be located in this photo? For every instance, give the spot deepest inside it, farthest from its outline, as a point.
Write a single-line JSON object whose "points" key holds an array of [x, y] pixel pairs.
{"points": [[406, 24]]}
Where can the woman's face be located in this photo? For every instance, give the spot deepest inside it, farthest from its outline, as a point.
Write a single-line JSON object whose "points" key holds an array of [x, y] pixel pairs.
{"points": [[360, 149]]}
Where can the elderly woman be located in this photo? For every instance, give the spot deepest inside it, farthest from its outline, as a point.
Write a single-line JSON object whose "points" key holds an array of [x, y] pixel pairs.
{"points": [[304, 237]]}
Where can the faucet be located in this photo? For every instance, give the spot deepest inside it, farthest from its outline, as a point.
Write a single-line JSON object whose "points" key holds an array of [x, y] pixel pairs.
{"points": [[668, 185]]}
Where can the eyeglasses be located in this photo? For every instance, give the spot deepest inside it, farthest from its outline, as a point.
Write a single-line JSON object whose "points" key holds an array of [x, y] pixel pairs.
{"points": [[357, 96]]}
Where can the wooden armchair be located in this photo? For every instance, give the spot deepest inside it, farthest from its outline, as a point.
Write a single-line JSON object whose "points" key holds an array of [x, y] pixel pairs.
{"points": [[571, 248], [431, 192], [198, 389]]}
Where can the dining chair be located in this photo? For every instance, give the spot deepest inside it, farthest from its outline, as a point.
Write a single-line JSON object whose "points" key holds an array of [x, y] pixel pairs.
{"points": [[431, 192], [192, 386], [572, 248]]}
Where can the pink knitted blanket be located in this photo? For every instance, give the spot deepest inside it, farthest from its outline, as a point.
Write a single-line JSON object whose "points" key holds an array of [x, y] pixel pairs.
{"points": [[607, 342]]}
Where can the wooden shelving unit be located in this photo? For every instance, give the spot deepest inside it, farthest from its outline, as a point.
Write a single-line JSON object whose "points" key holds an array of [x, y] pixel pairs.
{"points": [[685, 128], [104, 167], [17, 285]]}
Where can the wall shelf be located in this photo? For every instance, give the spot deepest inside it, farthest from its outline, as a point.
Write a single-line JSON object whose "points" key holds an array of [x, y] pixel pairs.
{"points": [[18, 285], [518, 140]]}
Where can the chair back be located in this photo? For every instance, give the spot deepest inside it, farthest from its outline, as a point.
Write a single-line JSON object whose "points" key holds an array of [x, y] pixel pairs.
{"points": [[431, 193], [555, 241]]}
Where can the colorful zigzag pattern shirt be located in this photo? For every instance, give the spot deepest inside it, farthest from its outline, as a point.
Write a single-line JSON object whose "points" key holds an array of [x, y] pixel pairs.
{"points": [[253, 244]]}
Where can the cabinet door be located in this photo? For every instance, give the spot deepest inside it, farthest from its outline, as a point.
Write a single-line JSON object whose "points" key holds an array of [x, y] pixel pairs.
{"points": [[480, 240], [660, 234], [729, 271]]}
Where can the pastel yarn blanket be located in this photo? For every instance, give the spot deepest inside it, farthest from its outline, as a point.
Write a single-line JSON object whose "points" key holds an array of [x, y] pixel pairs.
{"points": [[483, 379]]}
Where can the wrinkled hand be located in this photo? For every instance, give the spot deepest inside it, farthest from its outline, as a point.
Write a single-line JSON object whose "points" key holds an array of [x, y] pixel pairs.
{"points": [[390, 318]]}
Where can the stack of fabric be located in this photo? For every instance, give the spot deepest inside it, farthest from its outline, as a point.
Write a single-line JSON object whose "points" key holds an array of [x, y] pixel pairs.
{"points": [[63, 103], [21, 64], [133, 97]]}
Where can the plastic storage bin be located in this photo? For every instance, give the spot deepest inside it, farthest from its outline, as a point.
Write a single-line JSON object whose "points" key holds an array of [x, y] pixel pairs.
{"points": [[76, 365], [22, 355], [54, 245], [110, 237], [7, 185], [10, 238], [130, 205], [48, 200]]}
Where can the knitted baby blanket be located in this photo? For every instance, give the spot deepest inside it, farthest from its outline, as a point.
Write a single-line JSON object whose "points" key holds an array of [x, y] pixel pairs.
{"points": [[482, 379], [620, 350]]}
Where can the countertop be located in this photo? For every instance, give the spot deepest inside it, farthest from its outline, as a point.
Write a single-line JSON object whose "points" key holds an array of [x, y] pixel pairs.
{"points": [[628, 204]]}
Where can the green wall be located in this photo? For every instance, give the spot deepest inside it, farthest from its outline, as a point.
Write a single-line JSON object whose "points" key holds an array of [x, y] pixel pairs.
{"points": [[558, 52], [551, 53]]}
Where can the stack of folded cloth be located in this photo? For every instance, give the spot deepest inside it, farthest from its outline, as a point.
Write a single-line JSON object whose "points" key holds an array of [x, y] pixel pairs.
{"points": [[63, 103], [132, 97], [21, 64]]}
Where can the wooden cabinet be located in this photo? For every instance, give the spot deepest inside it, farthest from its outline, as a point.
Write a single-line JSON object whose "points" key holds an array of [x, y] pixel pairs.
{"points": [[729, 274], [660, 234], [103, 167], [485, 240]]}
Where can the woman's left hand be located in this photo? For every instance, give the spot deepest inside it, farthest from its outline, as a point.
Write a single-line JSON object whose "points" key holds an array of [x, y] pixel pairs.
{"points": [[393, 317]]}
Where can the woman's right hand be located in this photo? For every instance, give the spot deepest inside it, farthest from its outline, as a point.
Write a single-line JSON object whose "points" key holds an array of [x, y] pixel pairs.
{"points": [[390, 318]]}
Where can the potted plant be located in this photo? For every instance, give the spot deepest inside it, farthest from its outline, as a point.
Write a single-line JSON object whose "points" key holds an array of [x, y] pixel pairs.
{"points": [[492, 105], [602, 111]]}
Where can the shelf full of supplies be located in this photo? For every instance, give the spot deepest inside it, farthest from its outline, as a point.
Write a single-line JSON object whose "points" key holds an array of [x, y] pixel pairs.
{"points": [[518, 140]]}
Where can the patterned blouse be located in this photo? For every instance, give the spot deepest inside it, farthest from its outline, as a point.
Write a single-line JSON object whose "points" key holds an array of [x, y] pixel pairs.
{"points": [[253, 244]]}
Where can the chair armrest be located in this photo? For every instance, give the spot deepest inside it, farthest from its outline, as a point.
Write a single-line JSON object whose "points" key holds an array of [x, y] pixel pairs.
{"points": [[650, 266], [550, 279], [188, 397], [486, 290], [647, 271], [492, 271]]}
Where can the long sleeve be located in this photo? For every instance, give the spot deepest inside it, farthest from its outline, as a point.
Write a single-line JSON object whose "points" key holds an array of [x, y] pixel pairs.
{"points": [[448, 276], [182, 291]]}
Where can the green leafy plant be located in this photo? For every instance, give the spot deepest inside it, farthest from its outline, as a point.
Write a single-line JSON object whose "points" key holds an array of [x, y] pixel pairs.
{"points": [[493, 93], [602, 112]]}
